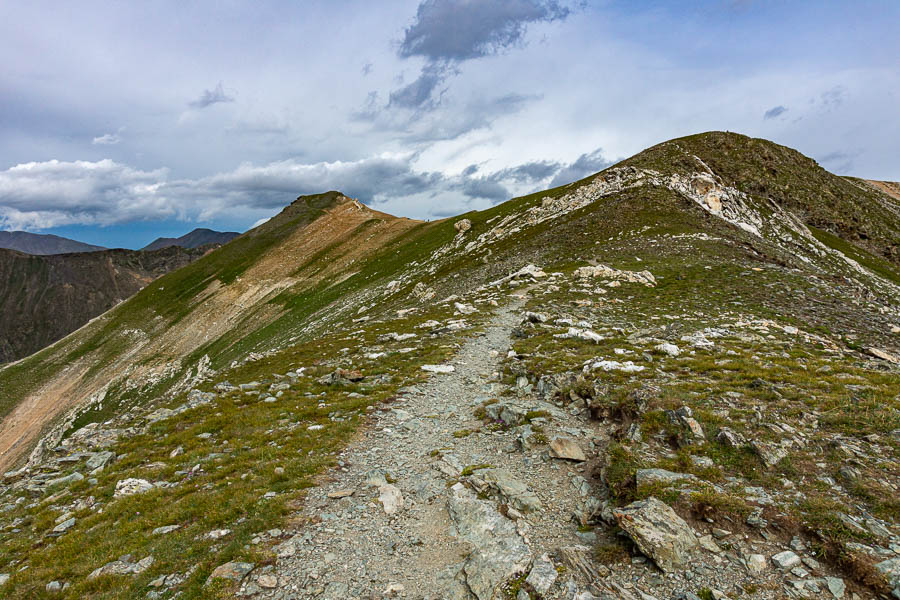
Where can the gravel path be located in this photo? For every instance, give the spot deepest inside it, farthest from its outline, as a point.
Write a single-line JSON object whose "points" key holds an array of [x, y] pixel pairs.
{"points": [[354, 549]]}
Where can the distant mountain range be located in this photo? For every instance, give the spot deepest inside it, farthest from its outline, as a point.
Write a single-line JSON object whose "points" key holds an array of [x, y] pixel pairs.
{"points": [[194, 239], [43, 244], [39, 243]]}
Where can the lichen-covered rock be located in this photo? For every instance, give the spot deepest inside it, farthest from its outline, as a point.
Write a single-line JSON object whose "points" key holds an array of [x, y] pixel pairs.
{"points": [[658, 532], [123, 566], [130, 486], [542, 576], [516, 493], [235, 571], [498, 550]]}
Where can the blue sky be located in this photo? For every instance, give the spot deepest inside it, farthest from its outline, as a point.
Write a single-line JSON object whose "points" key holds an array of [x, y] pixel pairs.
{"points": [[124, 122]]}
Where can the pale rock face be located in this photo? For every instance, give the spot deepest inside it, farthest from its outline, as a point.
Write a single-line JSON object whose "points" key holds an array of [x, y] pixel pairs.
{"points": [[604, 272], [463, 225], [127, 487], [670, 349], [757, 564], [658, 532], [514, 491], [438, 368], [566, 448], [542, 576], [786, 560], [391, 498]]}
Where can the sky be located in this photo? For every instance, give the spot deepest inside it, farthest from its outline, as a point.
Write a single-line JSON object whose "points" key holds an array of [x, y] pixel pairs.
{"points": [[122, 122]]}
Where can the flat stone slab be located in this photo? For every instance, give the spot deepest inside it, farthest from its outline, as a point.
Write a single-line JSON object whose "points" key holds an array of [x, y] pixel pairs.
{"points": [[234, 571], [498, 550]]}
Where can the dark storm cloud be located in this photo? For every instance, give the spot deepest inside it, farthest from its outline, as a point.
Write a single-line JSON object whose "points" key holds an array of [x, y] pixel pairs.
{"points": [[530, 172], [775, 111], [459, 30], [420, 93], [449, 32], [483, 188], [495, 186], [584, 165], [210, 97]]}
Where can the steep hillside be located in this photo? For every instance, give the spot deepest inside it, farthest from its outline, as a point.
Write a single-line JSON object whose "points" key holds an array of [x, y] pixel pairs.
{"points": [[891, 188], [39, 243], [194, 239], [678, 376], [43, 298]]}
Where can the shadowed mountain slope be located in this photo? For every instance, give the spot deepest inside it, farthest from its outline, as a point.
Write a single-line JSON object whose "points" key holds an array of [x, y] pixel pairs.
{"points": [[43, 298]]}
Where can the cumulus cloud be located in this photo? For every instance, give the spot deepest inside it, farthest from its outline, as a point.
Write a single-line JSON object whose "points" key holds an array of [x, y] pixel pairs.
{"points": [[447, 33], [775, 111], [40, 195], [209, 97]]}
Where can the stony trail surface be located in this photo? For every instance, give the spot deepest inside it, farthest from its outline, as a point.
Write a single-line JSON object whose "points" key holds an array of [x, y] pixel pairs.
{"points": [[356, 549]]}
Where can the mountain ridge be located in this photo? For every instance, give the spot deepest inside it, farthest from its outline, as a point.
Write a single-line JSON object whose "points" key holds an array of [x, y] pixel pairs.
{"points": [[42, 244], [679, 339], [45, 297], [193, 239]]}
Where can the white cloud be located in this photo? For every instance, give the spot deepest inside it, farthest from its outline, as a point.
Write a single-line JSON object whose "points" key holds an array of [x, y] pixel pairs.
{"points": [[40, 195], [107, 139]]}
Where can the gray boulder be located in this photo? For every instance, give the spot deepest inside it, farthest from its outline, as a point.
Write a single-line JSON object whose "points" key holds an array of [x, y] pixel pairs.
{"points": [[658, 532], [498, 550]]}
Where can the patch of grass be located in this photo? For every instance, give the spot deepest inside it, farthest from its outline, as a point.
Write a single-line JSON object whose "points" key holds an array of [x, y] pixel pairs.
{"points": [[710, 503], [607, 553], [468, 470]]}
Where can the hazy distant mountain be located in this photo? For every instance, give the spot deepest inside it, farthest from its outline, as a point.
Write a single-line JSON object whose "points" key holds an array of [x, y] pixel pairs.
{"points": [[39, 243], [194, 239]]}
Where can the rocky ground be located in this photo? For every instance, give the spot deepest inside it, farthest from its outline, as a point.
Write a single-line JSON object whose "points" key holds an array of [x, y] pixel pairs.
{"points": [[430, 502]]}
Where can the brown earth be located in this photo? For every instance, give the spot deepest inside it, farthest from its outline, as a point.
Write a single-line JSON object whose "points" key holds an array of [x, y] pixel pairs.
{"points": [[891, 188]]}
